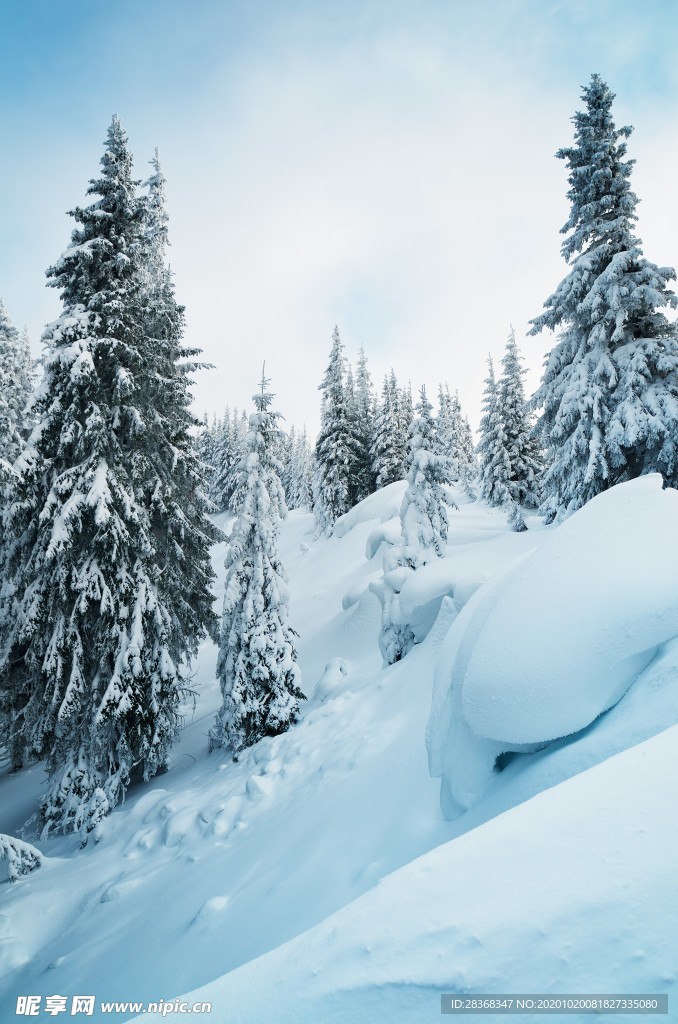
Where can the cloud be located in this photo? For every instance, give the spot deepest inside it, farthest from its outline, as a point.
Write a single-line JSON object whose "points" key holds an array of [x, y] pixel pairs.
{"points": [[386, 169]]}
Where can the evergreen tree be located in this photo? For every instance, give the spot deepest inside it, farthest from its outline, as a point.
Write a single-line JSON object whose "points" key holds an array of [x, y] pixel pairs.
{"points": [[298, 489], [520, 443], [205, 449], [468, 465], [227, 453], [609, 391], [16, 379], [389, 446], [495, 467], [423, 513], [424, 523], [337, 450], [364, 420], [257, 666], [285, 455], [21, 857], [447, 430], [405, 408], [241, 424], [109, 566], [171, 478], [16, 385], [303, 472]]}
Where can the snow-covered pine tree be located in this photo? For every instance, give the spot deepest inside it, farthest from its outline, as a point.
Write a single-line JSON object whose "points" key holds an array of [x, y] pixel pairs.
{"points": [[423, 513], [16, 385], [257, 665], [110, 563], [241, 430], [405, 416], [424, 524], [520, 443], [389, 445], [447, 430], [298, 488], [16, 381], [173, 487], [205, 447], [227, 453], [21, 858], [610, 385], [495, 467], [303, 472], [337, 450], [364, 420], [285, 455], [468, 464]]}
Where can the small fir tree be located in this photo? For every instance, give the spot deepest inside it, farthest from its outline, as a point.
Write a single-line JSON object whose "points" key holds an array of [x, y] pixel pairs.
{"points": [[364, 420], [424, 524], [495, 467], [520, 443], [16, 386], [337, 450], [389, 445], [257, 665], [16, 381]]}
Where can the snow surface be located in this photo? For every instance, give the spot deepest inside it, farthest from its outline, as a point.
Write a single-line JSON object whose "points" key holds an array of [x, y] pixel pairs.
{"points": [[574, 891], [331, 836]]}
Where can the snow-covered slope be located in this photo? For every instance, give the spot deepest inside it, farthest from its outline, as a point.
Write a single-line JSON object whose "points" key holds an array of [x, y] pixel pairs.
{"points": [[215, 864], [574, 891]]}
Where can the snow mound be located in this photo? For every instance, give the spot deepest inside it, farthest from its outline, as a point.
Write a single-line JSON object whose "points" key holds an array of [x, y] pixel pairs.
{"points": [[518, 904], [547, 646], [332, 680], [383, 505]]}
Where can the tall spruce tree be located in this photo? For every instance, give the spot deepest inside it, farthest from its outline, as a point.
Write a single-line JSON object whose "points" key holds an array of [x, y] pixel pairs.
{"points": [[337, 450], [257, 665], [609, 391], [170, 477], [522, 447], [110, 562]]}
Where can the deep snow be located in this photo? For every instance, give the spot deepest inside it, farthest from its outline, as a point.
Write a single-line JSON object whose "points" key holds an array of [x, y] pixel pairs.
{"points": [[215, 864]]}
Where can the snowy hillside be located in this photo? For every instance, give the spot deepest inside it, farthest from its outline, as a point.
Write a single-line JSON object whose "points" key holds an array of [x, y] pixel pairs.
{"points": [[324, 851]]}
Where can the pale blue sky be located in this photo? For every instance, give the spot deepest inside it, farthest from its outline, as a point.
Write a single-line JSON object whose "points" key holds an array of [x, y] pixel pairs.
{"points": [[386, 166]]}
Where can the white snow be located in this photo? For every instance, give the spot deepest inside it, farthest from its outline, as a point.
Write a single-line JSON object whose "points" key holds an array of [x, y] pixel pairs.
{"points": [[317, 879], [552, 643], [573, 891]]}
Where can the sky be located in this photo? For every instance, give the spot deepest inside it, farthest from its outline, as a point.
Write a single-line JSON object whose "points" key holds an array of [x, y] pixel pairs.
{"points": [[382, 165]]}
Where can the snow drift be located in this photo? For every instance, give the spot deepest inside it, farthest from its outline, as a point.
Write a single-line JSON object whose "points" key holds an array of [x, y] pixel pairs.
{"points": [[544, 648]]}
